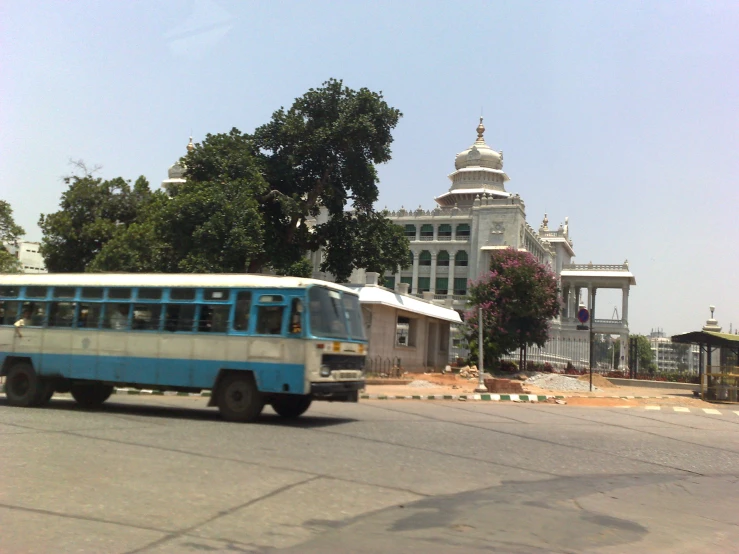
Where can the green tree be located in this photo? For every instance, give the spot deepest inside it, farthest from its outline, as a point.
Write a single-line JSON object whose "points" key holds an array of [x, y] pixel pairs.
{"points": [[212, 223], [92, 211], [519, 296], [321, 154], [367, 240], [644, 354], [10, 232]]}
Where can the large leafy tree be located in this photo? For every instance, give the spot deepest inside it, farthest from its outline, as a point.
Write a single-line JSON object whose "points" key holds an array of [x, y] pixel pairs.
{"points": [[10, 232], [92, 211], [322, 154], [305, 180], [212, 223], [518, 296]]}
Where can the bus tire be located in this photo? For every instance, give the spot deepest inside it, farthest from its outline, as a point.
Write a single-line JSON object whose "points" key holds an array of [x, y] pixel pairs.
{"points": [[239, 399], [23, 387], [92, 395], [45, 392], [291, 406]]}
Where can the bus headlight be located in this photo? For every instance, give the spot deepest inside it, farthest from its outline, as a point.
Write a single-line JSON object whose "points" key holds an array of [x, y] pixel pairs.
{"points": [[325, 371]]}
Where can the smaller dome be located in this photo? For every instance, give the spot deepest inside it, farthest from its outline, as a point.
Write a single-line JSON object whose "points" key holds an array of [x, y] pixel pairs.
{"points": [[190, 146], [479, 154], [176, 171]]}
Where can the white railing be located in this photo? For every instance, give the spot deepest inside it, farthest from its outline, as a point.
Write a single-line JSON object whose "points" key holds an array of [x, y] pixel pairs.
{"points": [[596, 267], [607, 322]]}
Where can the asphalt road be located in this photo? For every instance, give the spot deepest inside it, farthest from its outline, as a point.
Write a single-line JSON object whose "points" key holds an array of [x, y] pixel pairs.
{"points": [[165, 475]]}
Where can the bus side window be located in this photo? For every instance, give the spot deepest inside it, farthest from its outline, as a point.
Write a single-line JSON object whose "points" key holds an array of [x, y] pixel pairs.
{"points": [[269, 320], [296, 314], [89, 317], [180, 318], [146, 317], [61, 314], [37, 311], [213, 318], [8, 312], [241, 316], [116, 316]]}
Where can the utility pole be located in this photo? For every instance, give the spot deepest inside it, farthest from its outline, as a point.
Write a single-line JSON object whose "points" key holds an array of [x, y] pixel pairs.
{"points": [[480, 366]]}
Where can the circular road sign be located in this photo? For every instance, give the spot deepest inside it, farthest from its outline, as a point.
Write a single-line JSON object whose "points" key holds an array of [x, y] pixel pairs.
{"points": [[583, 315]]}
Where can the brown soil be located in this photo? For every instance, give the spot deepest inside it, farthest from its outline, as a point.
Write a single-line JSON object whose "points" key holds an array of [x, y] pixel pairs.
{"points": [[598, 381]]}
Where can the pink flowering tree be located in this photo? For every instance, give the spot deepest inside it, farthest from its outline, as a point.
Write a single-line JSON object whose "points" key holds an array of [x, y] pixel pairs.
{"points": [[518, 297]]}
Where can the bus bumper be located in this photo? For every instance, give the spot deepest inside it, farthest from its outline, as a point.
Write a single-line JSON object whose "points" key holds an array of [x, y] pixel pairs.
{"points": [[346, 391]]}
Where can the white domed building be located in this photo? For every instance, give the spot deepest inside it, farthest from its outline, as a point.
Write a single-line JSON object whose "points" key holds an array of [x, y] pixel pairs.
{"points": [[452, 244]]}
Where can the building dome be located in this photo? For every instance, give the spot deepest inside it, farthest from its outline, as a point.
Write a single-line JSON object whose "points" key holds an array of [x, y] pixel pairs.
{"points": [[479, 154], [478, 173], [176, 171]]}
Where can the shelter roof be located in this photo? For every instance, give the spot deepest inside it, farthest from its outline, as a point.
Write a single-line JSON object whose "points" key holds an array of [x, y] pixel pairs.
{"points": [[708, 337]]}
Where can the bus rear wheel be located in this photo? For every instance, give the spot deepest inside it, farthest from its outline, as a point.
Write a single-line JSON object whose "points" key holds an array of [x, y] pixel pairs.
{"points": [[23, 387], [92, 395], [239, 399], [291, 406]]}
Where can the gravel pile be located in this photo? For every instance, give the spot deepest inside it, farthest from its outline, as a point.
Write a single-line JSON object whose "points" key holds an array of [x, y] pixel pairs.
{"points": [[421, 384], [554, 381]]}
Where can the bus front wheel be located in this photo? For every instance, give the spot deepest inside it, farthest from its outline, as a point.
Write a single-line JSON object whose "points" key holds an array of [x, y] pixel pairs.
{"points": [[23, 387], [92, 395], [291, 406], [239, 399]]}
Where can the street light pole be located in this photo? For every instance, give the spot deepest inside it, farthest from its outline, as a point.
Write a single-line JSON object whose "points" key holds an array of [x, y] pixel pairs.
{"points": [[480, 366]]}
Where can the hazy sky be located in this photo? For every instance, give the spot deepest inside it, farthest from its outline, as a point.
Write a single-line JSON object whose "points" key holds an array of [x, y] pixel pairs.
{"points": [[623, 116]]}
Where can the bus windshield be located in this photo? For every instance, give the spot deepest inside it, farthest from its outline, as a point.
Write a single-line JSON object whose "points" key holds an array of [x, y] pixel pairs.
{"points": [[333, 315]]}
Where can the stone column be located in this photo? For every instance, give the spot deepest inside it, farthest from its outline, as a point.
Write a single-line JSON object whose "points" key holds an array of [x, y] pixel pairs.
{"points": [[625, 305], [432, 277], [623, 362], [414, 284], [566, 299], [450, 278]]}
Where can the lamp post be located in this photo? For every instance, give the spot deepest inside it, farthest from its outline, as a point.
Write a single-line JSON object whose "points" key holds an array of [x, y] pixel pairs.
{"points": [[480, 366]]}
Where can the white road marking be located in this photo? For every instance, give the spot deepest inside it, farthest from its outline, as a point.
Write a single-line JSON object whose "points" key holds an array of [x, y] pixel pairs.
{"points": [[679, 409], [711, 411], [652, 407]]}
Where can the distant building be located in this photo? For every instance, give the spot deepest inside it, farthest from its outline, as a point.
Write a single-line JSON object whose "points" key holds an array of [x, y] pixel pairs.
{"points": [[672, 357], [27, 253]]}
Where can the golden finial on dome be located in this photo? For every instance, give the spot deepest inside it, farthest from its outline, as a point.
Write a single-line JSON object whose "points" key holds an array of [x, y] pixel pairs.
{"points": [[190, 146], [480, 131]]}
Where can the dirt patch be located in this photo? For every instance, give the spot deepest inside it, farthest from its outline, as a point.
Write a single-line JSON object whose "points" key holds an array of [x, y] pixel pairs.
{"points": [[598, 381]]}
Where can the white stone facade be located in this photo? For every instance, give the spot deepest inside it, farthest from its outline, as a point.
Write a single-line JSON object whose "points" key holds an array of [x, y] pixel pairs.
{"points": [[451, 245]]}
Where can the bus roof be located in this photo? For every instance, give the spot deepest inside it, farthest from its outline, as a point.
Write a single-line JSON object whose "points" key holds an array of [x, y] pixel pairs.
{"points": [[236, 280]]}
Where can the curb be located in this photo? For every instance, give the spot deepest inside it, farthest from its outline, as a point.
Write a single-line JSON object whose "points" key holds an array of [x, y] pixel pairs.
{"points": [[495, 397]]}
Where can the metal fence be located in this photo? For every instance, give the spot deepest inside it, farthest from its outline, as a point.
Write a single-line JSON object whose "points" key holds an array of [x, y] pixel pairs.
{"points": [[387, 368]]}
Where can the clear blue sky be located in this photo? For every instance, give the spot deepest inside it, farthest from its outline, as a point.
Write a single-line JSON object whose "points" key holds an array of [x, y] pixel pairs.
{"points": [[623, 116]]}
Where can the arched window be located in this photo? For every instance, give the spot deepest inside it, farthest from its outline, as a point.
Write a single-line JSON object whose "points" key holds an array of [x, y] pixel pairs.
{"points": [[410, 232], [427, 232], [460, 258], [445, 232], [443, 259], [463, 231], [424, 258]]}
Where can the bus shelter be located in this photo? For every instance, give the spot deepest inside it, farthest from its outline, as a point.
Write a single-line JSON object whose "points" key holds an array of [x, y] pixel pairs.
{"points": [[718, 363]]}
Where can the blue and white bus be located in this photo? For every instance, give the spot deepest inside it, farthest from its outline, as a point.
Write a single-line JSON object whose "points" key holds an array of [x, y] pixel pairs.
{"points": [[251, 339]]}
